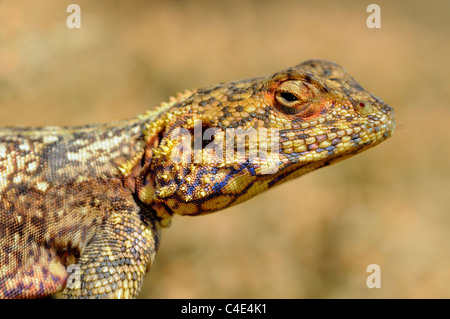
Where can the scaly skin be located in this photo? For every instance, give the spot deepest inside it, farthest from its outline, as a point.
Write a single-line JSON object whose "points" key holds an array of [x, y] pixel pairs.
{"points": [[94, 197]]}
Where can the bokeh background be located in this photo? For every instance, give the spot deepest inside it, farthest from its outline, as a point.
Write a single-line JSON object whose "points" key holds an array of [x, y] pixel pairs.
{"points": [[309, 238]]}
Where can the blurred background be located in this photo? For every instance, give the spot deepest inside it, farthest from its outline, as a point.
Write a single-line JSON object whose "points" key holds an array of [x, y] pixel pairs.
{"points": [[309, 238]]}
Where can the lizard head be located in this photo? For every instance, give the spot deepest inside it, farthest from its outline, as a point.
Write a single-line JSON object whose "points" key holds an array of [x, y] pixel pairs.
{"points": [[222, 145]]}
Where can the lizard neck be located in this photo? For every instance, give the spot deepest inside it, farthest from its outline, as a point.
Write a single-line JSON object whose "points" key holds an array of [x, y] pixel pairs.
{"points": [[136, 172]]}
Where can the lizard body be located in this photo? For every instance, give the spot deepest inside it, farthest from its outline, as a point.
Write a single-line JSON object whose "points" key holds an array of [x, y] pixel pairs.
{"points": [[95, 197]]}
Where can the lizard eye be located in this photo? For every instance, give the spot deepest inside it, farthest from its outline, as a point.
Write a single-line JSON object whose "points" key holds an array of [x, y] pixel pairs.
{"points": [[286, 97], [292, 97]]}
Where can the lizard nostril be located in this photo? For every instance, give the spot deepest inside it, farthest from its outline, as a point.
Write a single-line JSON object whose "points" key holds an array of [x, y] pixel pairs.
{"points": [[364, 107]]}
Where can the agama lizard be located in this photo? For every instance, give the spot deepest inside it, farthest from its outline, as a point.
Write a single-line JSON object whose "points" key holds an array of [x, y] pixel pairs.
{"points": [[81, 207]]}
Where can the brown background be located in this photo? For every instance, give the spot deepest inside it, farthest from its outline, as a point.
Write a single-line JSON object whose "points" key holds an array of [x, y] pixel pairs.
{"points": [[312, 237]]}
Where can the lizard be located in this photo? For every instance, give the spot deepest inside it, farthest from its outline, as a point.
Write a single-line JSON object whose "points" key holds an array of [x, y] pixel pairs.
{"points": [[82, 207]]}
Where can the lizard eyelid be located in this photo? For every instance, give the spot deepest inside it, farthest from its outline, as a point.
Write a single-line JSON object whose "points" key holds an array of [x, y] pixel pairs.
{"points": [[291, 96]]}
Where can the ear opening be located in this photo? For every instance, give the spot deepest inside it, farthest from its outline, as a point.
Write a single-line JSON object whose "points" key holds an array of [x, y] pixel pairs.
{"points": [[199, 136]]}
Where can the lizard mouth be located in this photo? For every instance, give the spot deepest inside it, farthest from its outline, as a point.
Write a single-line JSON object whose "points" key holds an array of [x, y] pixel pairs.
{"points": [[392, 121], [383, 130]]}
